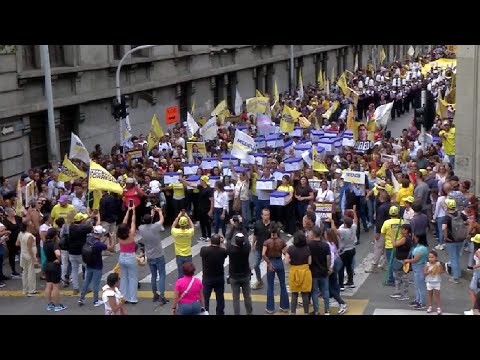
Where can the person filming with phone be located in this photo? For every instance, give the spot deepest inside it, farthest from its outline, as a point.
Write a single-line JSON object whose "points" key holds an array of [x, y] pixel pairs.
{"points": [[133, 195], [182, 239]]}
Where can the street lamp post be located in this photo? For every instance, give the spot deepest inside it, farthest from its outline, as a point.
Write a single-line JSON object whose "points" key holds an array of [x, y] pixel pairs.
{"points": [[292, 69], [117, 81]]}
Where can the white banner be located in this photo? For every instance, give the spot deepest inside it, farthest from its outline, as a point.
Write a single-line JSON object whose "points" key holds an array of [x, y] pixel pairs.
{"points": [[242, 145], [238, 103], [192, 126], [209, 130], [78, 150], [356, 177], [382, 114]]}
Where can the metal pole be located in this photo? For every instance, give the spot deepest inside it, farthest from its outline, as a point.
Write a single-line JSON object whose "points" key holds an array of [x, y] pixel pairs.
{"points": [[423, 103], [117, 82], [292, 70], [52, 135]]}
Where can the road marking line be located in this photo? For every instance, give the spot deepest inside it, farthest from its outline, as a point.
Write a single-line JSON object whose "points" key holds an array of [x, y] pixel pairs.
{"points": [[406, 312]]}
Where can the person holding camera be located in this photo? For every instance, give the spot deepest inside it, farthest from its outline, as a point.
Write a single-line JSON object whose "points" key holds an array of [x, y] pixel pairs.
{"points": [[182, 240], [239, 272], [238, 227]]}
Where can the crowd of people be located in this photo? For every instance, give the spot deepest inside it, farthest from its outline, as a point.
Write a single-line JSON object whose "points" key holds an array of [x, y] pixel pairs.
{"points": [[409, 189]]}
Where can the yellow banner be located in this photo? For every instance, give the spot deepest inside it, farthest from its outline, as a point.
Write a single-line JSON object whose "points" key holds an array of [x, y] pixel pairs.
{"points": [[68, 171], [101, 179], [97, 196], [442, 64], [342, 83], [350, 117], [289, 116], [356, 177], [382, 55], [220, 107], [276, 97], [320, 84], [156, 132], [258, 105]]}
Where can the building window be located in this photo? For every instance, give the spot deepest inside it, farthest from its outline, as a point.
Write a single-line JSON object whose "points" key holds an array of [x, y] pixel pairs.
{"points": [[38, 145], [30, 57], [269, 80], [57, 55], [117, 52], [68, 121], [183, 103], [140, 53], [184, 47]]}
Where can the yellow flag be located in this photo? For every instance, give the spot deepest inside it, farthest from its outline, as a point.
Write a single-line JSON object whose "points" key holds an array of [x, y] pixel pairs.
{"points": [[331, 110], [276, 97], [332, 76], [19, 201], [320, 81], [101, 179], [220, 107], [317, 165], [223, 115], [350, 117], [381, 173], [287, 123], [382, 55], [68, 171], [342, 83], [258, 94], [355, 96], [193, 108], [450, 98], [155, 133], [97, 196], [258, 105]]}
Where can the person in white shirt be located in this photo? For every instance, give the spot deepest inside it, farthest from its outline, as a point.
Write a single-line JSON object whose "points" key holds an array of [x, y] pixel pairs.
{"points": [[112, 298], [325, 195], [408, 212], [220, 207], [179, 141], [78, 200], [164, 145], [439, 216]]}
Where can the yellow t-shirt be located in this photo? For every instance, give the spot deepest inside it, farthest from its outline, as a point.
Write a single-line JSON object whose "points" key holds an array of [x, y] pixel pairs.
{"points": [[253, 188], [58, 212], [288, 188], [403, 193], [178, 191], [389, 229], [449, 142], [326, 104], [388, 188], [182, 240]]}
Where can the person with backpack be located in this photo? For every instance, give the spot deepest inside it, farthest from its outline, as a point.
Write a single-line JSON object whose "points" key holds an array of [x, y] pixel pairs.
{"points": [[92, 257], [78, 233], [455, 231]]}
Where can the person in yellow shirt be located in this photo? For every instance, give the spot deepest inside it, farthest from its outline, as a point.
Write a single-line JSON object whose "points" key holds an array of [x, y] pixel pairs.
{"points": [[447, 135], [182, 240], [404, 192], [61, 210], [178, 195], [391, 229], [288, 212], [382, 185]]}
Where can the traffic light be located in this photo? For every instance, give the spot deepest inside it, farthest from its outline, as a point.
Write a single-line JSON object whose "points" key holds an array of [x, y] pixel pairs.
{"points": [[119, 110], [419, 117], [116, 109]]}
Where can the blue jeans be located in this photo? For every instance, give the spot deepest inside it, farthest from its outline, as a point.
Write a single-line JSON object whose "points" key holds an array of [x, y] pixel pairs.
{"points": [[362, 211], [218, 285], [471, 253], [280, 271], [321, 284], [180, 261], [388, 254], [371, 208], [441, 240], [96, 276], [419, 282], [245, 212], [302, 209], [334, 287], [451, 158], [193, 308], [454, 250], [128, 276], [254, 201], [158, 266], [258, 260], [218, 222], [259, 206]]}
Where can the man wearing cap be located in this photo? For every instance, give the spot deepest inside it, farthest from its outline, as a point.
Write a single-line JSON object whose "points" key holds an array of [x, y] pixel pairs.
{"points": [[391, 230], [62, 209], [454, 238], [447, 136], [182, 239], [78, 233], [95, 267], [408, 212]]}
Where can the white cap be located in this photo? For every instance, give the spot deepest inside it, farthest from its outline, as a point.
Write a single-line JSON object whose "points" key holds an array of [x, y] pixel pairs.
{"points": [[338, 171], [99, 229]]}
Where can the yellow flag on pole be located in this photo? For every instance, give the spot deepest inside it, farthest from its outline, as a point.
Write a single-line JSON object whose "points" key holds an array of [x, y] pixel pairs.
{"points": [[317, 165], [276, 97], [19, 201], [193, 107], [97, 196], [101, 179], [156, 132], [258, 105], [382, 55], [320, 84], [350, 117], [342, 83], [68, 171], [289, 116], [332, 76], [220, 107], [258, 94]]}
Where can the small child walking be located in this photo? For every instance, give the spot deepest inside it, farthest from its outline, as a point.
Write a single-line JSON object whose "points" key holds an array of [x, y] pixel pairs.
{"points": [[433, 271]]}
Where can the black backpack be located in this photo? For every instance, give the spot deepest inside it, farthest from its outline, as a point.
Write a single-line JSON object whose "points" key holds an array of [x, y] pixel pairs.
{"points": [[89, 254]]}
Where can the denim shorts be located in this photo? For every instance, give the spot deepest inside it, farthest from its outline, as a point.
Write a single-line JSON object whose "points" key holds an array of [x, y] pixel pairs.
{"points": [[475, 279]]}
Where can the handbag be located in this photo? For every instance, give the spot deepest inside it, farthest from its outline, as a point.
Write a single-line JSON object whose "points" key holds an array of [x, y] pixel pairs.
{"points": [[236, 204], [407, 266], [186, 290]]}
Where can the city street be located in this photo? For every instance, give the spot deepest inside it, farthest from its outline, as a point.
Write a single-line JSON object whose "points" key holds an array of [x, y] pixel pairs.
{"points": [[369, 297]]}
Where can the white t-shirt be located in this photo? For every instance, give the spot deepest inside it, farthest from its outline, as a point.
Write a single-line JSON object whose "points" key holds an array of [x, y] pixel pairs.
{"points": [[325, 196], [43, 227], [154, 187], [107, 292]]}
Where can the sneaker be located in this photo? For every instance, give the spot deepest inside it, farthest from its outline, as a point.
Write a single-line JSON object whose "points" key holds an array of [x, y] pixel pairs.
{"points": [[284, 310], [59, 308], [468, 312], [17, 258], [438, 247], [404, 298], [453, 280], [413, 303], [342, 288], [351, 286], [75, 292], [164, 300], [439, 311], [343, 309], [469, 268], [2, 285], [289, 235], [16, 274], [197, 224], [442, 247], [201, 238], [395, 296], [269, 311], [81, 302], [429, 310], [51, 307], [98, 303], [419, 307], [207, 239], [257, 285], [327, 313], [32, 293], [156, 297]]}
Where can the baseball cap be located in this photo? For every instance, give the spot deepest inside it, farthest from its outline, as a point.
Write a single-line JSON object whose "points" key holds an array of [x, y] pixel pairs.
{"points": [[79, 217], [451, 204], [205, 179], [423, 171], [99, 229], [409, 199], [338, 171], [130, 181], [63, 198], [183, 221], [393, 210]]}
